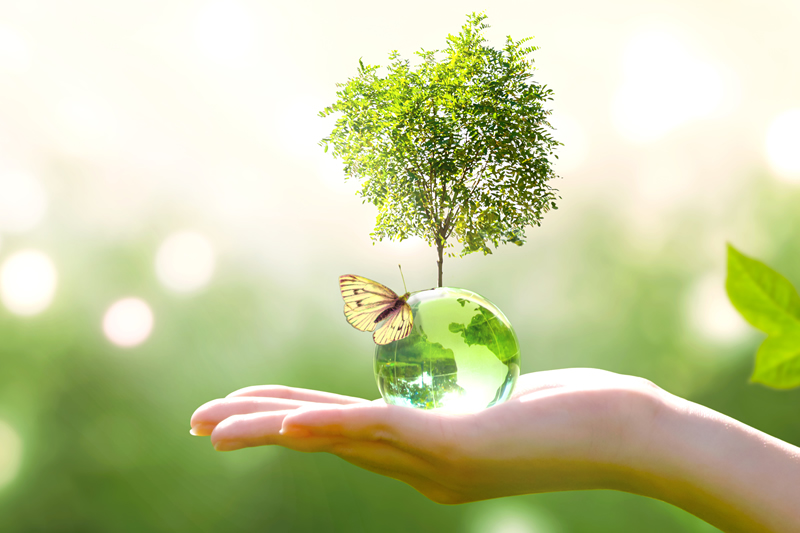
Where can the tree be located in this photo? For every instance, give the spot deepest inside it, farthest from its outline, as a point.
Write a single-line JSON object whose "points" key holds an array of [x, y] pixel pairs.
{"points": [[453, 148]]}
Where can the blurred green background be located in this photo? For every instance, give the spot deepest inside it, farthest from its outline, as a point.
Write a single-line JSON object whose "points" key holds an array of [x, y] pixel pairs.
{"points": [[170, 232]]}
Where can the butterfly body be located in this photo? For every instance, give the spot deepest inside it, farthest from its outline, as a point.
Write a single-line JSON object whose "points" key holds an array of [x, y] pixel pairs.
{"points": [[367, 303], [397, 304]]}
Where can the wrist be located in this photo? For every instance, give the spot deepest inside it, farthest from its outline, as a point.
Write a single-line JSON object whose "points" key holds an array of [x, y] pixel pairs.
{"points": [[716, 468]]}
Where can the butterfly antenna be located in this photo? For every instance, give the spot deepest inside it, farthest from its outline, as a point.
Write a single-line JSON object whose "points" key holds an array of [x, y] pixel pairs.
{"points": [[405, 289]]}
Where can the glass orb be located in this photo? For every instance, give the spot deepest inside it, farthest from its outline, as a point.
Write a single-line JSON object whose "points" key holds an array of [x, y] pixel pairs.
{"points": [[462, 354]]}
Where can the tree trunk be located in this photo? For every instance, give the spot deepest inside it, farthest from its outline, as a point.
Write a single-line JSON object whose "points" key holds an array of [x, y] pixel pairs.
{"points": [[440, 249]]}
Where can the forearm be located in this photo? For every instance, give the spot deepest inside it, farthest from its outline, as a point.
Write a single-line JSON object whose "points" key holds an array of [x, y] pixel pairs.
{"points": [[723, 471]]}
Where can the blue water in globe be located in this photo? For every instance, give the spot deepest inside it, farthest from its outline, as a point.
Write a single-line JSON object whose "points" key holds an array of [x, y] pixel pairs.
{"points": [[462, 354]]}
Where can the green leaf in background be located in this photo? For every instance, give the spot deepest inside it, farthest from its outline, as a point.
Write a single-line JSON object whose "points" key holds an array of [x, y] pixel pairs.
{"points": [[769, 302], [778, 361], [764, 298]]}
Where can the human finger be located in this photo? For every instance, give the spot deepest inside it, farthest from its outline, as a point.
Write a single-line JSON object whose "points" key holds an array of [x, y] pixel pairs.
{"points": [[294, 393], [413, 430], [208, 415], [260, 429]]}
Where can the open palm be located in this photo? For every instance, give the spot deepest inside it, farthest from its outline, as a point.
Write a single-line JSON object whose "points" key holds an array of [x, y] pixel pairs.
{"points": [[561, 430]]}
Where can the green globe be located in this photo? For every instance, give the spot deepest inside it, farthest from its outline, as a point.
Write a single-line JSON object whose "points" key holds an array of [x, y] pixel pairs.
{"points": [[462, 354]]}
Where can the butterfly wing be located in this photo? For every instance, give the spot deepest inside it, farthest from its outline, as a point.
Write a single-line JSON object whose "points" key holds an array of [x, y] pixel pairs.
{"points": [[397, 326], [365, 300]]}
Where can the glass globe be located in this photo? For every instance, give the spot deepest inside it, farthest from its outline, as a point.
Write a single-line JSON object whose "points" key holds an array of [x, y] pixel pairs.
{"points": [[462, 354]]}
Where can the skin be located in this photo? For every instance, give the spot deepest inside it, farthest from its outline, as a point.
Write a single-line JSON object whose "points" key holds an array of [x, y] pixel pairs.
{"points": [[571, 429]]}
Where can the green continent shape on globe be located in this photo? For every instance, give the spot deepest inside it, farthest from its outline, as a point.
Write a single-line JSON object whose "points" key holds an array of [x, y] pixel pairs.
{"points": [[483, 331]]}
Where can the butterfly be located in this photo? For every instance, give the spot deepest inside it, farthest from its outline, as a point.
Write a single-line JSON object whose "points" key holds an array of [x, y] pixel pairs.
{"points": [[367, 303]]}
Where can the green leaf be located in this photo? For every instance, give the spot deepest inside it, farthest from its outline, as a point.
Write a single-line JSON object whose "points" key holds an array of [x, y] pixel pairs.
{"points": [[764, 298], [778, 361], [769, 302]]}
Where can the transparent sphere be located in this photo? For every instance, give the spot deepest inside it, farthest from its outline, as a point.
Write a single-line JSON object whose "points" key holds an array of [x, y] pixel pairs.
{"points": [[462, 354]]}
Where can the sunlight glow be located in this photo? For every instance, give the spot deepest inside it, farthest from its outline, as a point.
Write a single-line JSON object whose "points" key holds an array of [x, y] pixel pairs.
{"points": [[569, 132], [224, 32], [23, 203], [14, 52], [302, 129], [128, 322], [185, 261], [711, 313], [783, 144], [10, 454], [27, 282], [664, 86], [89, 123]]}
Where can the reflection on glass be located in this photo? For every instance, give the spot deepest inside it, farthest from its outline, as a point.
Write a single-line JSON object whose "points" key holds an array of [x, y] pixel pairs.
{"points": [[462, 354]]}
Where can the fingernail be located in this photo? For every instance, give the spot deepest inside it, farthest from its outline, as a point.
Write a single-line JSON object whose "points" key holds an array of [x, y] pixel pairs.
{"points": [[229, 445], [202, 430]]}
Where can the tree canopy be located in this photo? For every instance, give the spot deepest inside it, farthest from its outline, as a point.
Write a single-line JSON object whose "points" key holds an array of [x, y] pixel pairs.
{"points": [[452, 149]]}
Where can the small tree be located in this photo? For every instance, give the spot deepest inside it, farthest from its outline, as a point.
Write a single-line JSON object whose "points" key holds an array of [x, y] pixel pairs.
{"points": [[452, 148]]}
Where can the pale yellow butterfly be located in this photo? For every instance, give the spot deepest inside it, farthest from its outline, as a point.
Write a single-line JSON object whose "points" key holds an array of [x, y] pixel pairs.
{"points": [[367, 303]]}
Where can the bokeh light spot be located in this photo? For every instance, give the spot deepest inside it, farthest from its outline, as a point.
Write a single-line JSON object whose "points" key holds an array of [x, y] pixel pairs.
{"points": [[783, 144], [10, 454], [27, 282], [505, 518], [128, 322], [664, 86], [711, 313], [22, 202], [185, 261]]}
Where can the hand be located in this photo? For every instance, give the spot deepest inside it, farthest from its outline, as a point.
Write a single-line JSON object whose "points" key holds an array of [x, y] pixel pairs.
{"points": [[561, 430]]}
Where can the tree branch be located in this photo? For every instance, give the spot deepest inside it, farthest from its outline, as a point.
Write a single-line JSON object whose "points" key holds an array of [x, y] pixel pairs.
{"points": [[470, 192], [448, 222], [427, 203]]}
